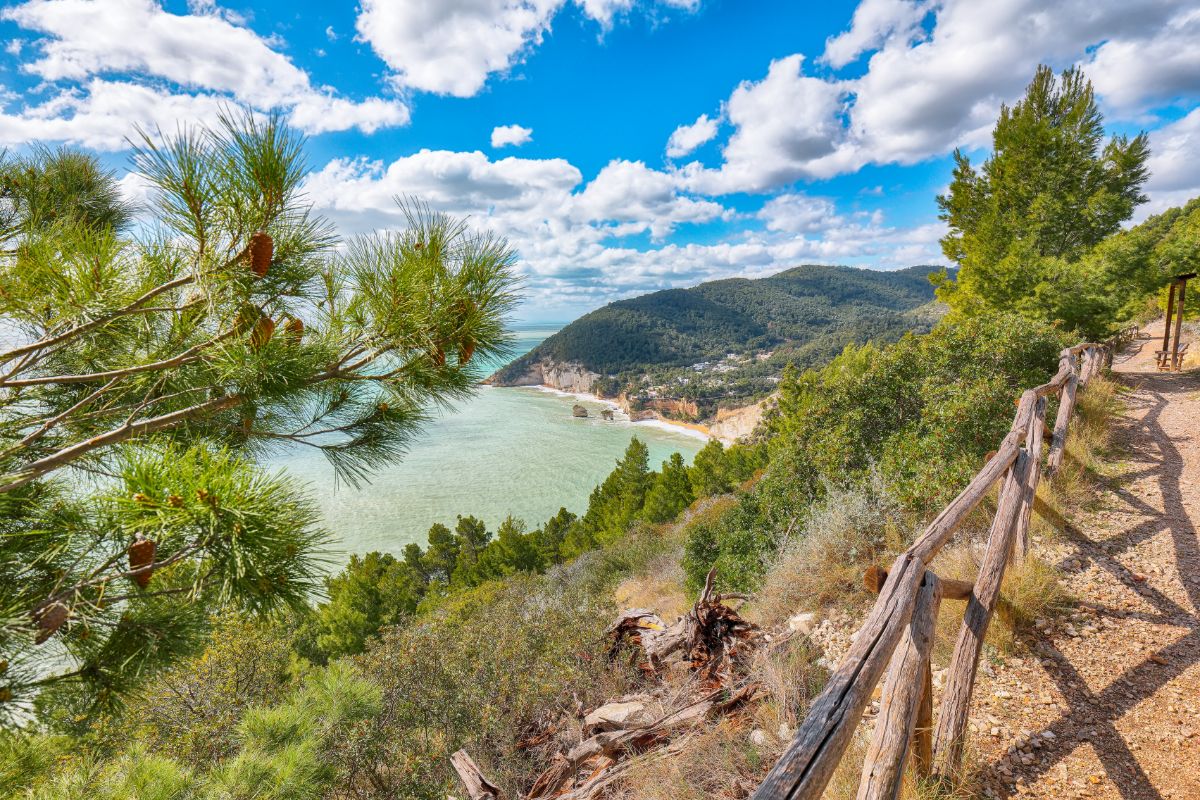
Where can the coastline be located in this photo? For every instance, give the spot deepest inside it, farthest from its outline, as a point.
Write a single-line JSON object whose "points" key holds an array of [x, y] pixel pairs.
{"points": [[691, 429]]}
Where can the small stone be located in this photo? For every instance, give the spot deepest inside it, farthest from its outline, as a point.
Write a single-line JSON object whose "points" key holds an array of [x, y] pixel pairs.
{"points": [[614, 715], [758, 737], [802, 623]]}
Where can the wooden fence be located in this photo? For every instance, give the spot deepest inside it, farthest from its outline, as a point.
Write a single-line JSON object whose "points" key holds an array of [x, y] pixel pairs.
{"points": [[899, 631]]}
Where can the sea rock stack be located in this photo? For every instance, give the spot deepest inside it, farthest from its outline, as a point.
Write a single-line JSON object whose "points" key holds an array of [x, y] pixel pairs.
{"points": [[578, 411]]}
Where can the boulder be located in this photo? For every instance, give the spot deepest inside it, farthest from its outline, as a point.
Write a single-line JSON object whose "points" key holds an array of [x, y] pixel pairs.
{"points": [[578, 411]]}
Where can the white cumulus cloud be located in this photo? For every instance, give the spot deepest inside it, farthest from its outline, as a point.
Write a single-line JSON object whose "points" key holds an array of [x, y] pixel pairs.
{"points": [[453, 46], [128, 50], [874, 22], [1174, 165], [511, 135], [929, 88], [571, 235], [687, 138]]}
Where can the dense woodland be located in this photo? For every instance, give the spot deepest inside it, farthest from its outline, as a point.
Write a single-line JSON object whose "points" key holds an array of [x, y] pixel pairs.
{"points": [[207, 677]]}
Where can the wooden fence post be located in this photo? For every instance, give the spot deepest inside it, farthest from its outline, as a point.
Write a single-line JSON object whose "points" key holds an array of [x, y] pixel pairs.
{"points": [[900, 704], [1033, 449], [1176, 364], [923, 734], [807, 765], [805, 768], [956, 700], [1164, 354], [1066, 407]]}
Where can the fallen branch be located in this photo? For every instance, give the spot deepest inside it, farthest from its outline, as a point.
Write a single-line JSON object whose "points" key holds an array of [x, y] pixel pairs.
{"points": [[478, 787]]}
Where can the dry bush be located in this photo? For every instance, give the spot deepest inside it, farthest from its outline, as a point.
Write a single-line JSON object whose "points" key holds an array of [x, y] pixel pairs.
{"points": [[822, 564]]}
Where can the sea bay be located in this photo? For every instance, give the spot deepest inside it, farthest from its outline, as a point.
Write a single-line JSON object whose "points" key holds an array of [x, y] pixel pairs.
{"points": [[506, 451]]}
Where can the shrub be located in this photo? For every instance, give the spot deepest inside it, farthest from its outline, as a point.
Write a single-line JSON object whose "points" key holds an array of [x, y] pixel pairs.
{"points": [[484, 670], [191, 712], [822, 562]]}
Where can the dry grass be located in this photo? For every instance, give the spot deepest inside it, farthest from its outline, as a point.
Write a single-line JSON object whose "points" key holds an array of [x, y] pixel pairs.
{"points": [[730, 757], [659, 588], [1032, 590], [1089, 452], [844, 784], [718, 761]]}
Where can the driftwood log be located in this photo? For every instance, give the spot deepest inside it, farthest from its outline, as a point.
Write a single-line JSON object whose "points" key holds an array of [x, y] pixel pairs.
{"points": [[712, 636], [478, 787]]}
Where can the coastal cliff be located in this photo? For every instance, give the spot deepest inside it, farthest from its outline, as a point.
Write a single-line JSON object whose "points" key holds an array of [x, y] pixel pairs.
{"points": [[735, 424], [565, 377], [729, 425]]}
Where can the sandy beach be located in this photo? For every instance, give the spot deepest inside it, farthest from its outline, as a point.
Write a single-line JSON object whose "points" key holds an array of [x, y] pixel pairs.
{"points": [[686, 428]]}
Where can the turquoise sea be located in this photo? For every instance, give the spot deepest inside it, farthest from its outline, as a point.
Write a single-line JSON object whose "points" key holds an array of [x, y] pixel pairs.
{"points": [[507, 451]]}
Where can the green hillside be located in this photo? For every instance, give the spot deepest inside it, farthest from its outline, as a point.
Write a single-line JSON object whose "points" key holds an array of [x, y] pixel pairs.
{"points": [[799, 308]]}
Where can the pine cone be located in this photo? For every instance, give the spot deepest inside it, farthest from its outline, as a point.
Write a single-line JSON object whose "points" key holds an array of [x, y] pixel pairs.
{"points": [[294, 329], [264, 329], [439, 356], [465, 351], [141, 554], [49, 619], [262, 249]]}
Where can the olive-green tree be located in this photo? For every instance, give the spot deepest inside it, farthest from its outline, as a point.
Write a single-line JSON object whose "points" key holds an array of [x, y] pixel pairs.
{"points": [[143, 370]]}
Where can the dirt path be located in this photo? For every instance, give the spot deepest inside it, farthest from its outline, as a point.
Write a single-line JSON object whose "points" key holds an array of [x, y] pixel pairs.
{"points": [[1110, 705]]}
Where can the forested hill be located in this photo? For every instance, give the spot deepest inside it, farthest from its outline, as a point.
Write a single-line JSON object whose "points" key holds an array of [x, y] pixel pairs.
{"points": [[679, 327]]}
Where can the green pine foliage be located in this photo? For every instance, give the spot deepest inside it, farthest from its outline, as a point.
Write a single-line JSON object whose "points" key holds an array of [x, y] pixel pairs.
{"points": [[920, 415], [1023, 228], [671, 492], [146, 371], [374, 590]]}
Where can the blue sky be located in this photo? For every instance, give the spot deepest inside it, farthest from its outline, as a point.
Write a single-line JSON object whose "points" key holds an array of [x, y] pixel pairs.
{"points": [[622, 145]]}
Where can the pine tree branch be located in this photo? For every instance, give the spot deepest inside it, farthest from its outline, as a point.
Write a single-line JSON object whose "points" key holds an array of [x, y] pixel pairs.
{"points": [[133, 308], [117, 435], [186, 357], [50, 423]]}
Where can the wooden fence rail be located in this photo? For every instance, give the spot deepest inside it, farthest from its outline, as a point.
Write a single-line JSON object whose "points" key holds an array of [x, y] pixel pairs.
{"points": [[899, 629]]}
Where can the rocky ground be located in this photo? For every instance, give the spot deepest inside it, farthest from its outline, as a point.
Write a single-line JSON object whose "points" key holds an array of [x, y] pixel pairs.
{"points": [[1108, 705]]}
